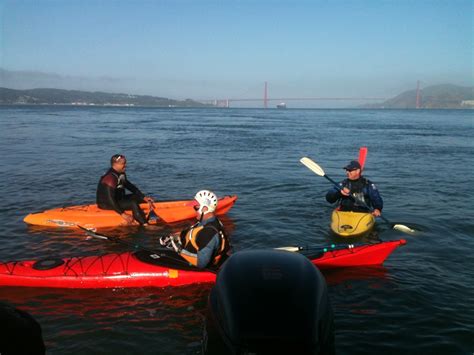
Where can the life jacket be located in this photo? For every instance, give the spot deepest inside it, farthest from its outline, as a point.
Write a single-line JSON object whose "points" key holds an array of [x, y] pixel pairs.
{"points": [[359, 191], [191, 248]]}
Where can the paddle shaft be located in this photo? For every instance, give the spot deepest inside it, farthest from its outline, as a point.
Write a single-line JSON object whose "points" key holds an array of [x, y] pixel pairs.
{"points": [[324, 249], [120, 241]]}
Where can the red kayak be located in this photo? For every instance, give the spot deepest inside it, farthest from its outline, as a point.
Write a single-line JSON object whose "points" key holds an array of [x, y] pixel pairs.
{"points": [[164, 268]]}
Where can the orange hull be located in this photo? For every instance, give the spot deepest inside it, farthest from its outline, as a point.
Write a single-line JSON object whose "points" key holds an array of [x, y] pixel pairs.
{"points": [[90, 216]]}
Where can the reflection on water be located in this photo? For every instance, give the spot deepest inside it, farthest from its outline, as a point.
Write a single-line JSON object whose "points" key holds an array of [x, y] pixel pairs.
{"points": [[151, 312]]}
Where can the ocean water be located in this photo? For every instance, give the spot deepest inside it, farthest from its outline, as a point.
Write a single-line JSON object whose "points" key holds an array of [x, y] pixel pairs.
{"points": [[422, 161]]}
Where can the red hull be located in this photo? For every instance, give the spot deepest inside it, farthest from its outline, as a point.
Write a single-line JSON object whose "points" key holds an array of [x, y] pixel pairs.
{"points": [[127, 270]]}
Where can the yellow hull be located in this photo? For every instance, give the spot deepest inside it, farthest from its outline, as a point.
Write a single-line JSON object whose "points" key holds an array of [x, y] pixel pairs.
{"points": [[351, 224]]}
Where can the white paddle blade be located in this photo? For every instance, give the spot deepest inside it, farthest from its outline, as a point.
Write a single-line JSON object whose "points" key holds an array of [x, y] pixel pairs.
{"points": [[311, 165], [403, 228], [293, 249]]}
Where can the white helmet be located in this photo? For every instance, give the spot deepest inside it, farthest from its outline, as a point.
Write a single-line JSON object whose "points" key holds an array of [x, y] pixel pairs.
{"points": [[208, 199]]}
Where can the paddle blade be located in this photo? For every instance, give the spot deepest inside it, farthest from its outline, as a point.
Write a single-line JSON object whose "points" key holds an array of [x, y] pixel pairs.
{"points": [[92, 233], [362, 156], [293, 249], [311, 165], [403, 228]]}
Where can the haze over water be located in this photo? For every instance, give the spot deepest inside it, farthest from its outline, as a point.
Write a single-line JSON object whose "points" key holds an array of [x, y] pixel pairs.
{"points": [[422, 162]]}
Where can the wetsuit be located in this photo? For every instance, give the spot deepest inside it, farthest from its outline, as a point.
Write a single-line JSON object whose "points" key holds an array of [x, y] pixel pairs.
{"points": [[363, 189], [205, 243], [111, 195]]}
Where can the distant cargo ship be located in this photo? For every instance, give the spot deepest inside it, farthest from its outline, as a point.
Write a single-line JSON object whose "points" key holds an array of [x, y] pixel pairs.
{"points": [[281, 105]]}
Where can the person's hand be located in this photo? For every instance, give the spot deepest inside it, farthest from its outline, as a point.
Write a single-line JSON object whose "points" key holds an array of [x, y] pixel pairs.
{"points": [[148, 199], [345, 191], [127, 218], [176, 244], [377, 212], [165, 240]]}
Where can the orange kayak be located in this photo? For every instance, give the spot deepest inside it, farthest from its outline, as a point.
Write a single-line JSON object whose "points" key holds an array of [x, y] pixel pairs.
{"points": [[91, 216]]}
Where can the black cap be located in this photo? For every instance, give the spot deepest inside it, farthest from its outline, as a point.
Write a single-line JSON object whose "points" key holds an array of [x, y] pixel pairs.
{"points": [[353, 165]]}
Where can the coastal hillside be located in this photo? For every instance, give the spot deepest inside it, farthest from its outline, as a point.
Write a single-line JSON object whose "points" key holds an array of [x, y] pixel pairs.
{"points": [[86, 98], [446, 96]]}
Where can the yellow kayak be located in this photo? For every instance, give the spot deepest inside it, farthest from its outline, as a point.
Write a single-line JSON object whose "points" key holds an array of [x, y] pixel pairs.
{"points": [[351, 224]]}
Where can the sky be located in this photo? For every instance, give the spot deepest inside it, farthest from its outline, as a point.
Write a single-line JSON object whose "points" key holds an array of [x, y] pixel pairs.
{"points": [[229, 49]]}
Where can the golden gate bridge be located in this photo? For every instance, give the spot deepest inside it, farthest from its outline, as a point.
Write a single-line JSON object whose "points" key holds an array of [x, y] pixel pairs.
{"points": [[265, 99]]}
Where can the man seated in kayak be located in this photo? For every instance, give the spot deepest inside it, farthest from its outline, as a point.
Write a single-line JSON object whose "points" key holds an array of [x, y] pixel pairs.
{"points": [[205, 243], [356, 193], [111, 192]]}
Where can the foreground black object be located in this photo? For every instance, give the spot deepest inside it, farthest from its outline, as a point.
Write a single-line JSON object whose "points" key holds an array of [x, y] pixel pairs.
{"points": [[20, 333], [269, 302]]}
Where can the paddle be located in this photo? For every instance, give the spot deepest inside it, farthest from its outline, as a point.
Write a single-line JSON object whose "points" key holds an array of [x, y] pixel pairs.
{"points": [[323, 249], [362, 156], [117, 240], [311, 165]]}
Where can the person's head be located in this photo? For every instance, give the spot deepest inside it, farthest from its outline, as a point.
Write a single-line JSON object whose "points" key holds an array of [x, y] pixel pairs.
{"points": [[206, 203], [118, 162], [353, 170]]}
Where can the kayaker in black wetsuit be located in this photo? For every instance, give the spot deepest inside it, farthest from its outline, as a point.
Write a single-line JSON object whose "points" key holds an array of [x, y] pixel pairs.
{"points": [[205, 243], [359, 187], [111, 192]]}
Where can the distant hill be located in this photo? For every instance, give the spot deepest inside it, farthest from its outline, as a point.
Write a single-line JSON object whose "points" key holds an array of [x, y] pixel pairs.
{"points": [[437, 96], [86, 98]]}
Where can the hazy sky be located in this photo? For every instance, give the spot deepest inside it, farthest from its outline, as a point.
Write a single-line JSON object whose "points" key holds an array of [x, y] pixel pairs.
{"points": [[218, 49]]}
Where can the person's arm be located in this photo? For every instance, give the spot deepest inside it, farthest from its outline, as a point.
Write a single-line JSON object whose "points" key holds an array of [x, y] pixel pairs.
{"points": [[205, 254], [334, 194], [375, 199], [135, 190]]}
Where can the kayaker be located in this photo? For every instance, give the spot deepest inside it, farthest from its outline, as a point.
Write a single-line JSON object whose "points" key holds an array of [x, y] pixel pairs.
{"points": [[356, 193], [111, 193], [205, 243]]}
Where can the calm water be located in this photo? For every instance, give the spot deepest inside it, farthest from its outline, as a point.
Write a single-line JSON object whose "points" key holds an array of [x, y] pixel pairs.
{"points": [[422, 161]]}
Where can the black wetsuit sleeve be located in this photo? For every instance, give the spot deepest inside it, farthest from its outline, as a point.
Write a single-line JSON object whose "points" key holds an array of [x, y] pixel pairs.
{"points": [[374, 196], [129, 186], [333, 195]]}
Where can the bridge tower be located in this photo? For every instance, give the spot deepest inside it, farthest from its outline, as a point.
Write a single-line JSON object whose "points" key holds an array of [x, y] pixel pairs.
{"points": [[265, 96], [418, 95]]}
